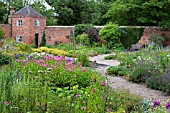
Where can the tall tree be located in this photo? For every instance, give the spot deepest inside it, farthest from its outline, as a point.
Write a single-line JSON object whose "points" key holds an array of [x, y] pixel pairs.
{"points": [[140, 12]]}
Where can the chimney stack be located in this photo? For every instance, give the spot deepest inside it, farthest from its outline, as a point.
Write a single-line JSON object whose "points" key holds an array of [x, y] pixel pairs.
{"points": [[12, 11]]}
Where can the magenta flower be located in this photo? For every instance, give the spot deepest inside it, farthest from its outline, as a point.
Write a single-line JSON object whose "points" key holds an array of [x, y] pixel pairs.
{"points": [[167, 105], [94, 90], [44, 65], [16, 60], [155, 103], [83, 108], [110, 109], [102, 83], [70, 70], [6, 103], [78, 63], [78, 95]]}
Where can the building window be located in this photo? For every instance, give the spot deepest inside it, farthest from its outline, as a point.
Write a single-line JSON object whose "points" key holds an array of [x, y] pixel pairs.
{"points": [[19, 22], [37, 23], [18, 38]]}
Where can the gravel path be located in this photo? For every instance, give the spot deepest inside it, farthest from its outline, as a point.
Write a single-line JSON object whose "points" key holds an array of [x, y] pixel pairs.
{"points": [[118, 82]]}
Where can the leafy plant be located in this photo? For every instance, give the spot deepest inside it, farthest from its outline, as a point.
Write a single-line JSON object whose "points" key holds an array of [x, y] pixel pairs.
{"points": [[117, 71], [82, 39], [156, 39], [5, 59], [110, 32], [81, 28], [43, 41], [2, 34], [160, 82], [111, 57], [83, 59]]}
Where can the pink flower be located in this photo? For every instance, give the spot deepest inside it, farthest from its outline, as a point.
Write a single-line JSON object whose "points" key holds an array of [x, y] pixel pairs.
{"points": [[102, 83], [44, 65], [94, 90], [6, 103], [110, 109], [83, 108], [70, 70], [75, 75], [78, 63], [78, 95]]}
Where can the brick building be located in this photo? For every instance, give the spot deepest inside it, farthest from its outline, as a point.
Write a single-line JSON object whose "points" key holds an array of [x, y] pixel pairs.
{"points": [[27, 25]]}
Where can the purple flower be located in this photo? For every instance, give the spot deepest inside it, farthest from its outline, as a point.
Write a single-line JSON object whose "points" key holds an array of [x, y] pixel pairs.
{"points": [[78, 95], [83, 108], [94, 90], [16, 60], [6, 103], [167, 105], [102, 83], [156, 102], [110, 109]]}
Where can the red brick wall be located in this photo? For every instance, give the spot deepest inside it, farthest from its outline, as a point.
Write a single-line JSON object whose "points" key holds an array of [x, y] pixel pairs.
{"points": [[28, 28], [7, 29], [57, 33], [148, 31]]}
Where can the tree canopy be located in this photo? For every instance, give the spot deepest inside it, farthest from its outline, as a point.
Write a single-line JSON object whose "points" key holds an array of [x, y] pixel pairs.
{"points": [[96, 12]]}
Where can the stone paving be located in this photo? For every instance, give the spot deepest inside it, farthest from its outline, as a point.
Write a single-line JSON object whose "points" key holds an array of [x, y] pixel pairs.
{"points": [[119, 82]]}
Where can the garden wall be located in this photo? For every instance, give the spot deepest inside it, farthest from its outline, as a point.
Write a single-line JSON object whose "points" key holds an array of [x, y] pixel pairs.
{"points": [[165, 33], [58, 34], [7, 29]]}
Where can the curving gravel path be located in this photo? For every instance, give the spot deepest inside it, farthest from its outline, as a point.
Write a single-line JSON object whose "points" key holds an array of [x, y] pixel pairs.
{"points": [[118, 82]]}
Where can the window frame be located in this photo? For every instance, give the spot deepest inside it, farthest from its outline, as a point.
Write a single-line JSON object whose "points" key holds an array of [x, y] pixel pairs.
{"points": [[37, 23], [19, 39], [19, 23]]}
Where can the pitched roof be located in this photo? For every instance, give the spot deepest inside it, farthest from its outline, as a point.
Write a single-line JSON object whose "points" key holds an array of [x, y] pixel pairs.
{"points": [[27, 11]]}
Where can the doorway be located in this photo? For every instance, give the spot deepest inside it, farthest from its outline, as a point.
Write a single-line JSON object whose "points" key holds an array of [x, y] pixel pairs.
{"points": [[36, 40]]}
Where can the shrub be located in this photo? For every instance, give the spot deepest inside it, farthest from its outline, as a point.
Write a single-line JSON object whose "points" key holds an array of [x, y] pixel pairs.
{"points": [[81, 28], [43, 41], [110, 32], [5, 59], [82, 39], [160, 82], [2, 34], [92, 35], [143, 68], [117, 71], [156, 39]]}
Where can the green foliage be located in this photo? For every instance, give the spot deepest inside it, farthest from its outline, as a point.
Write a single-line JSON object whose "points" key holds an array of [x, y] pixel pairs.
{"points": [[111, 57], [110, 32], [117, 71], [43, 41], [81, 28], [130, 36], [156, 39], [145, 13], [2, 34], [79, 12], [160, 82], [83, 59], [4, 59], [82, 39]]}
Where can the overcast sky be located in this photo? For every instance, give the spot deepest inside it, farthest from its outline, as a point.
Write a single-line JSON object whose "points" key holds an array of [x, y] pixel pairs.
{"points": [[46, 5]]}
